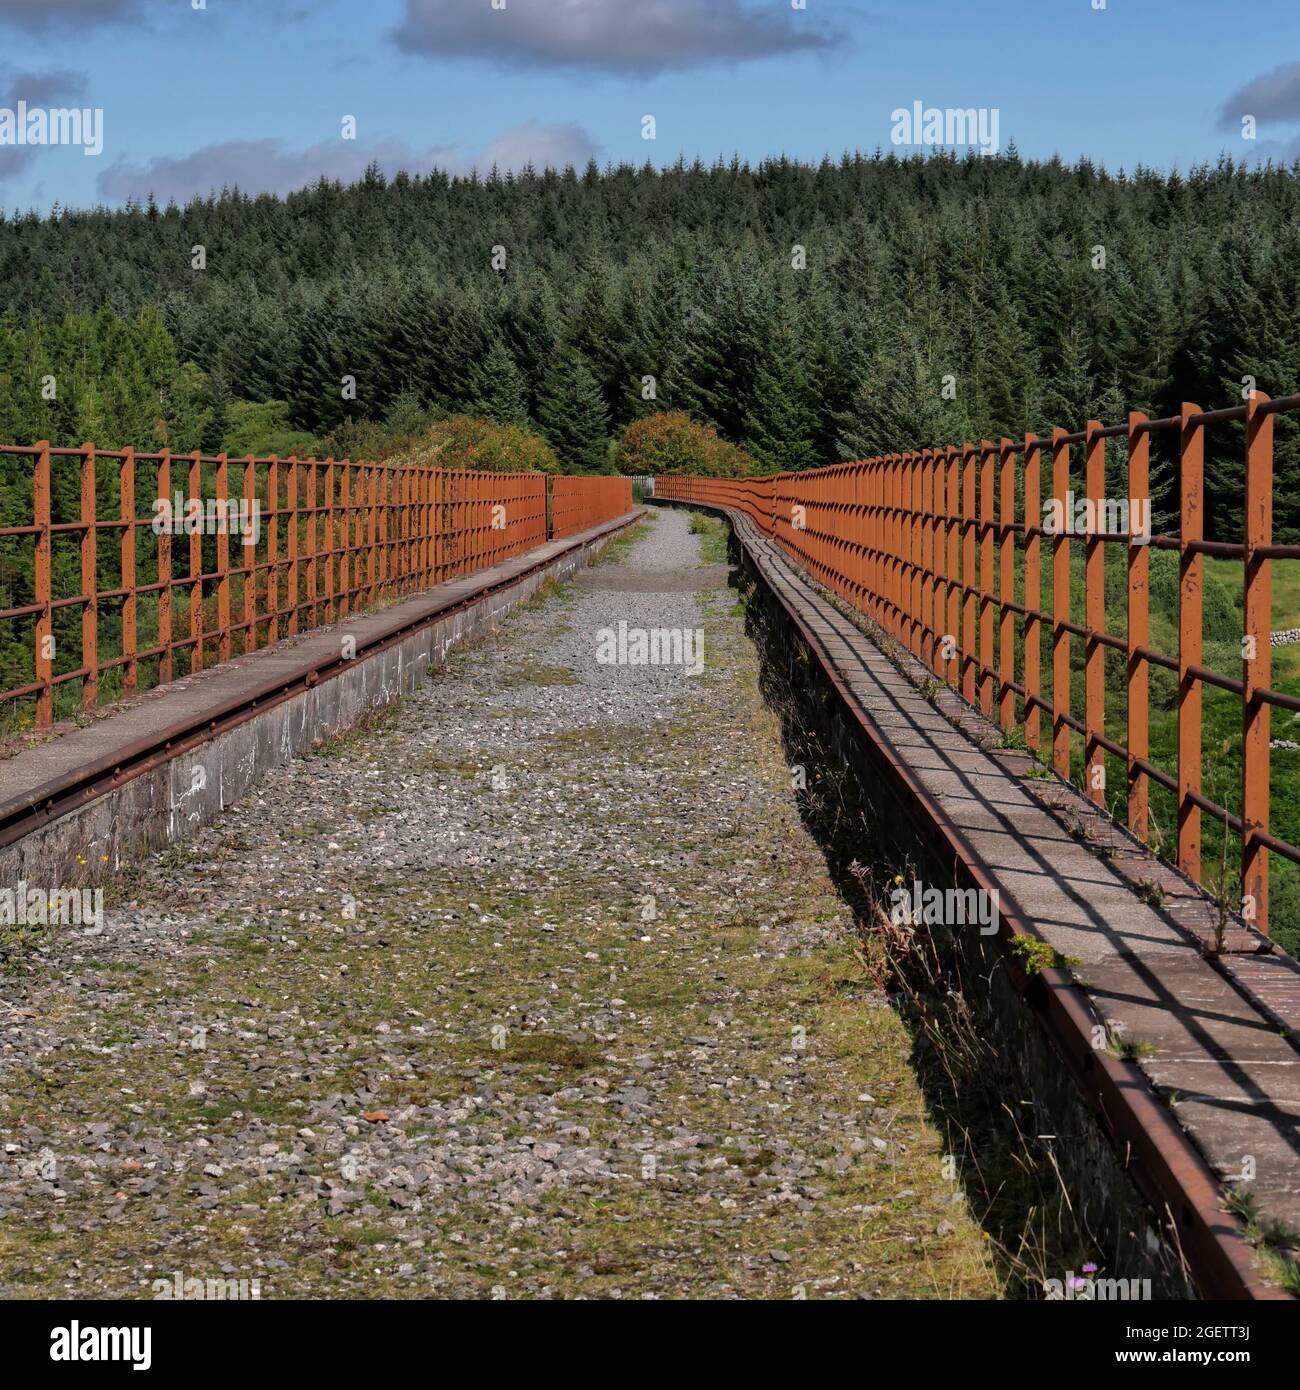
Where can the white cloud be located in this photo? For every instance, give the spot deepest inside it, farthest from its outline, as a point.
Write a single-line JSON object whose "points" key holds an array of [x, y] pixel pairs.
{"points": [[76, 16], [267, 166], [40, 88], [544, 146], [643, 36], [58, 88], [1273, 97], [41, 16]]}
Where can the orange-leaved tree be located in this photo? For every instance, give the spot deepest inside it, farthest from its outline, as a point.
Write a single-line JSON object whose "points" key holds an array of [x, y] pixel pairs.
{"points": [[671, 442]]}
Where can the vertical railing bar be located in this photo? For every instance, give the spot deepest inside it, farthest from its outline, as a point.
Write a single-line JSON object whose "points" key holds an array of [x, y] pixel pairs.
{"points": [[986, 659], [131, 598], [89, 580], [954, 568], [384, 556], [43, 633], [1256, 666], [1007, 587], [345, 538], [372, 532], [165, 663], [327, 542], [929, 557], [196, 568], [310, 515], [1060, 605], [1137, 737], [1191, 575], [223, 559], [291, 507], [970, 585], [272, 550], [1094, 659], [248, 541], [918, 553], [1033, 625]]}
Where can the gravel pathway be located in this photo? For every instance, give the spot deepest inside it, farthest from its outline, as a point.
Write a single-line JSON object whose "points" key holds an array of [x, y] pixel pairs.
{"points": [[532, 986]]}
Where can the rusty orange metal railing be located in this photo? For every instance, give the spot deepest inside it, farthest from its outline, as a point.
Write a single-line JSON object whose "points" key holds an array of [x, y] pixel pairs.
{"points": [[582, 502], [928, 545], [331, 538]]}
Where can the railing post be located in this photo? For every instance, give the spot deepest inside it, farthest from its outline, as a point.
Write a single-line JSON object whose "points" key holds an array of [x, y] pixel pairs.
{"points": [[223, 559], [970, 586], [165, 663], [89, 581], [345, 539], [1139, 628], [905, 608], [914, 552], [887, 479], [311, 547], [1033, 590], [426, 529], [291, 507], [272, 550], [381, 483], [196, 567], [931, 471], [250, 555], [130, 599], [43, 656], [1256, 665], [439, 526], [986, 577], [953, 573], [884, 613], [403, 491], [1060, 606], [1007, 587], [875, 535], [1191, 568], [1094, 659], [327, 541]]}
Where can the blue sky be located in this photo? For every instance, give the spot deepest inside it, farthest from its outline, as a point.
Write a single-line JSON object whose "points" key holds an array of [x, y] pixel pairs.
{"points": [[255, 91]]}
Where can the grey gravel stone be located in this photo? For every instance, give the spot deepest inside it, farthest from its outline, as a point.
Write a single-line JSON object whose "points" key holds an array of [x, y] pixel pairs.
{"points": [[496, 990]]}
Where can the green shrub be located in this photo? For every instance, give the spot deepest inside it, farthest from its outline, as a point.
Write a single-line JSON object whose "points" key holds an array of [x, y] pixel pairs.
{"points": [[461, 441], [261, 428]]}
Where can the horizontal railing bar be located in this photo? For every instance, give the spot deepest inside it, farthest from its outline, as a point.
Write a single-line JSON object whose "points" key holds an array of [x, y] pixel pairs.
{"points": [[910, 538]]}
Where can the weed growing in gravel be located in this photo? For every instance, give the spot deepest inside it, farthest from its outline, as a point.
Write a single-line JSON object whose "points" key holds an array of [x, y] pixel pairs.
{"points": [[1037, 955], [617, 550], [994, 1156], [548, 589], [1278, 1243], [714, 534], [378, 721]]}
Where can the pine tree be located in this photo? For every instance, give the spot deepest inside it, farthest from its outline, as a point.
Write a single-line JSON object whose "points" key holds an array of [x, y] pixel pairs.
{"points": [[500, 392], [573, 416], [781, 423], [217, 397], [724, 325]]}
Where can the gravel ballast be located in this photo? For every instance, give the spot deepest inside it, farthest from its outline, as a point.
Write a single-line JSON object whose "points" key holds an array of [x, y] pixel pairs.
{"points": [[534, 985]]}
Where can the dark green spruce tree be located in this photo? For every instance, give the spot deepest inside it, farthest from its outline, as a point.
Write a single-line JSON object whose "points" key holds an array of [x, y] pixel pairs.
{"points": [[500, 391], [573, 415]]}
